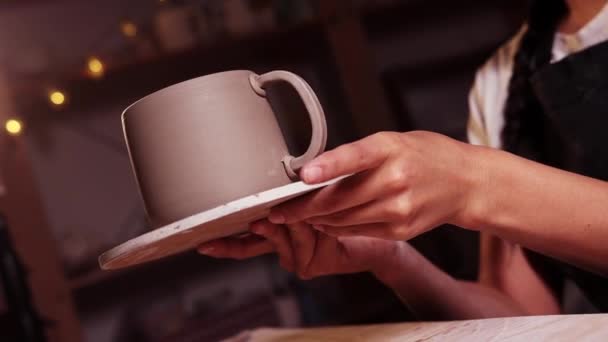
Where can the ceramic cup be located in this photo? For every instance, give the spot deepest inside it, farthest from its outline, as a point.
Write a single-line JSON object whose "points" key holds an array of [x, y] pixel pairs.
{"points": [[211, 140]]}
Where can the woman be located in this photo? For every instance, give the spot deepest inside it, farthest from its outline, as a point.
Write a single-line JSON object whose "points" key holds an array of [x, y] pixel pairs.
{"points": [[543, 96]]}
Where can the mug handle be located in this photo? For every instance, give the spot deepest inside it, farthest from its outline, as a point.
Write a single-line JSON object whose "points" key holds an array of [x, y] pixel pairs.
{"points": [[318, 139]]}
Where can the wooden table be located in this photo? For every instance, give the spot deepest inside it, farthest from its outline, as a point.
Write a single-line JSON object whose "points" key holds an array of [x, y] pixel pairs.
{"points": [[530, 328]]}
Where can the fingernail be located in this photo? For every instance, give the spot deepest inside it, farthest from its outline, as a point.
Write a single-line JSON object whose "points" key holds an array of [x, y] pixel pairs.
{"points": [[276, 218], [311, 174], [206, 250], [319, 227]]}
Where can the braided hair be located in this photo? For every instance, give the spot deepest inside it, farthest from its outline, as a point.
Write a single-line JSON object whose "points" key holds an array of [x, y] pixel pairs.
{"points": [[526, 128]]}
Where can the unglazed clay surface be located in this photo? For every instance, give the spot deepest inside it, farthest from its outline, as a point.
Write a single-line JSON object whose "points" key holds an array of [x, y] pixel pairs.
{"points": [[186, 234], [212, 140]]}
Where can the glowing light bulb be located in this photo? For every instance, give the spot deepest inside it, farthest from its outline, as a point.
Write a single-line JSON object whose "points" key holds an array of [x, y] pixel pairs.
{"points": [[57, 97], [95, 67], [128, 28], [13, 126]]}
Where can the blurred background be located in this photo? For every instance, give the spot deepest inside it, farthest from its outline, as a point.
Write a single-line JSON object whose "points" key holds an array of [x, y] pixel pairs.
{"points": [[67, 70]]}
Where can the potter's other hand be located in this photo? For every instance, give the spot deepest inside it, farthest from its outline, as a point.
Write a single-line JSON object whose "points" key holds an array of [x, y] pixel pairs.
{"points": [[404, 185], [306, 251]]}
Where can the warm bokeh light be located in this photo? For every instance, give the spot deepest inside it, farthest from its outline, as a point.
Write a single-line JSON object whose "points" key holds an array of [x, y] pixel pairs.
{"points": [[128, 28], [13, 126], [95, 67], [57, 97]]}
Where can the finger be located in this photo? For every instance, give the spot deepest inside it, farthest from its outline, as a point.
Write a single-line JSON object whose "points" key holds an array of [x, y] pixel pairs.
{"points": [[348, 193], [327, 256], [278, 236], [385, 231], [355, 157], [303, 241], [237, 248], [396, 209]]}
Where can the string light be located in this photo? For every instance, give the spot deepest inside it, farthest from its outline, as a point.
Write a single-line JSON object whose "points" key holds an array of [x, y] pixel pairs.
{"points": [[57, 97], [95, 67], [13, 126], [128, 28]]}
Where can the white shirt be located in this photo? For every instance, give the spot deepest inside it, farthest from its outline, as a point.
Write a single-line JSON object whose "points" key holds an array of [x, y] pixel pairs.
{"points": [[489, 93]]}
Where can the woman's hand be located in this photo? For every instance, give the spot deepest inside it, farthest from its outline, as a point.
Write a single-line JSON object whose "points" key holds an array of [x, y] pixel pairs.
{"points": [[424, 288], [404, 185], [307, 252]]}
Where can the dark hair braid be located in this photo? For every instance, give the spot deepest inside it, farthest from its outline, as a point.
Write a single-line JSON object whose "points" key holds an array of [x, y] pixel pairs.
{"points": [[525, 125]]}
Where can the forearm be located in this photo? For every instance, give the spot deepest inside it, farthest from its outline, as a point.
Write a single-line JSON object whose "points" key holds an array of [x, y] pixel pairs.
{"points": [[549, 210], [432, 294]]}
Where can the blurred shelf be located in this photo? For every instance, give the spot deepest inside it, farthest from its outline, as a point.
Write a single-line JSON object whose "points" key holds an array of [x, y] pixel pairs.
{"points": [[406, 14], [262, 50], [135, 79]]}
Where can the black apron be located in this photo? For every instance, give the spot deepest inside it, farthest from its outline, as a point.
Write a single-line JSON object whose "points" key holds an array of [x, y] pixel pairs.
{"points": [[574, 95]]}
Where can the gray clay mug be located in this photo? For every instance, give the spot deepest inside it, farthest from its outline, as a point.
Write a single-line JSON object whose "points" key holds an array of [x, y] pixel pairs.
{"points": [[211, 140]]}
